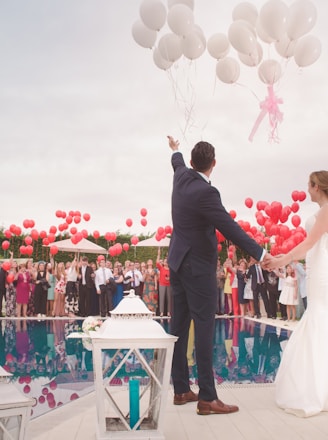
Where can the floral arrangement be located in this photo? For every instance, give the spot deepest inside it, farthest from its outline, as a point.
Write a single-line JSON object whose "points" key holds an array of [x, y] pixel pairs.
{"points": [[91, 324]]}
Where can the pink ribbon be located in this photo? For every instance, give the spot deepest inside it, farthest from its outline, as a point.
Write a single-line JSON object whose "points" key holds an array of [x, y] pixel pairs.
{"points": [[269, 106]]}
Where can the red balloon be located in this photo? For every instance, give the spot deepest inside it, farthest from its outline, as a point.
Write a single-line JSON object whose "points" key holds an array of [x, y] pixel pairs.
{"points": [[45, 241], [73, 230], [160, 231], [17, 230], [114, 236], [74, 396], [61, 227], [12, 228], [26, 224], [296, 220], [79, 236], [53, 385], [233, 213], [129, 222], [43, 234], [42, 399], [143, 222], [29, 249], [22, 249], [74, 239], [6, 265], [84, 232], [118, 248], [28, 240], [77, 219], [100, 258], [59, 213], [295, 196], [112, 251], [134, 240], [10, 278], [168, 229], [53, 250], [86, 217], [27, 389], [51, 237], [7, 233], [248, 202], [295, 207], [219, 247], [301, 196], [96, 234], [53, 229], [143, 212], [34, 234], [69, 219], [5, 245], [126, 246], [108, 236]]}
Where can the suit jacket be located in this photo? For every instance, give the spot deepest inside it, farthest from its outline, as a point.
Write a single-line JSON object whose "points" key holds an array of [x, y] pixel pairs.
{"points": [[88, 279], [197, 211]]}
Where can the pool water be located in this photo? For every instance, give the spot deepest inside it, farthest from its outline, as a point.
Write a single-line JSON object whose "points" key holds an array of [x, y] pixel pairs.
{"points": [[54, 369]]}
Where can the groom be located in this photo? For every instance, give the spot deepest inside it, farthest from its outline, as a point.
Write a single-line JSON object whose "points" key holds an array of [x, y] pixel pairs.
{"points": [[197, 211]]}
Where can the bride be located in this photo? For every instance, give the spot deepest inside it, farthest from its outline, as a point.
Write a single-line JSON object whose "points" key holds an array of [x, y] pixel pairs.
{"points": [[302, 378]]}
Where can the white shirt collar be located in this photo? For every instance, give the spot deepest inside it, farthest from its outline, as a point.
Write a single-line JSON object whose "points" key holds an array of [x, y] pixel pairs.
{"points": [[204, 176]]}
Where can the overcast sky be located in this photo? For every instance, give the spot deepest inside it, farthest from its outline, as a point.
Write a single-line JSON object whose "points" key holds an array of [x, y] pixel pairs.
{"points": [[85, 113]]}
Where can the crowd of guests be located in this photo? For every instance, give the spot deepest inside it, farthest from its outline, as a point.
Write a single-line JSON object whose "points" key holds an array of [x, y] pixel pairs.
{"points": [[244, 286], [82, 288]]}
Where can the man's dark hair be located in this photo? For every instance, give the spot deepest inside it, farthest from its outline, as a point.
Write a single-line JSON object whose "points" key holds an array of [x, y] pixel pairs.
{"points": [[202, 156], [85, 259]]}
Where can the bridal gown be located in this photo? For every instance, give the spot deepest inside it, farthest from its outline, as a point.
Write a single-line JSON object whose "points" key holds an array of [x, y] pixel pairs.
{"points": [[301, 384]]}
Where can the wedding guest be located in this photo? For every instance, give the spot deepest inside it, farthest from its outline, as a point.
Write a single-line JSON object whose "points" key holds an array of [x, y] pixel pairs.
{"points": [[51, 290], [133, 278], [86, 284], [118, 278], [41, 290], [60, 289], [272, 280], [71, 294], [94, 295], [164, 286], [220, 279], [22, 291], [289, 293], [241, 278], [229, 276], [102, 276], [301, 280], [150, 292]]}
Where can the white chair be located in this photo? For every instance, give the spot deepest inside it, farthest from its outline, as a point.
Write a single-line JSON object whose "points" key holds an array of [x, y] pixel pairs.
{"points": [[13, 404]]}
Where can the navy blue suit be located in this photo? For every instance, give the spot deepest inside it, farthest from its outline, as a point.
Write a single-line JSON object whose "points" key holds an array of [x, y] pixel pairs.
{"points": [[197, 211]]}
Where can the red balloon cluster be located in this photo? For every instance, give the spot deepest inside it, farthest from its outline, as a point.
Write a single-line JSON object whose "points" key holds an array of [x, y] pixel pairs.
{"points": [[110, 236], [115, 250], [162, 232], [28, 223]]}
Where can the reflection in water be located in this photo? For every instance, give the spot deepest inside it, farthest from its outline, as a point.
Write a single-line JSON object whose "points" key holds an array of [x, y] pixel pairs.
{"points": [[55, 370]]}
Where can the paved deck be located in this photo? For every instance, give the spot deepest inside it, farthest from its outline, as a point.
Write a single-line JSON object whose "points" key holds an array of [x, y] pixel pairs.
{"points": [[258, 419]]}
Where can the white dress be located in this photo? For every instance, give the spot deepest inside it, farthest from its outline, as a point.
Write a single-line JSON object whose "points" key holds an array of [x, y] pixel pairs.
{"points": [[287, 295], [302, 379]]}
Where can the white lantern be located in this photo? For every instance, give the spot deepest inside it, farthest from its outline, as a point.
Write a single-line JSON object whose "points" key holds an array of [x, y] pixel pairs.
{"points": [[132, 342]]}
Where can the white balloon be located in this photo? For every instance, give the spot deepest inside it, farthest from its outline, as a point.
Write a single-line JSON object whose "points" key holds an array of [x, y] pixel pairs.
{"points": [[192, 46], [180, 19], [269, 71], [142, 35], [253, 59], [218, 45], [261, 33], [153, 14], [245, 11], [228, 70], [169, 47], [159, 61], [285, 47], [200, 33], [274, 16], [302, 18], [189, 3], [241, 38], [307, 50]]}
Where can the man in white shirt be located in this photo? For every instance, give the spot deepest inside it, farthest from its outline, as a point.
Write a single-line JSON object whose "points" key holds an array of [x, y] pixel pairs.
{"points": [[132, 279], [102, 277]]}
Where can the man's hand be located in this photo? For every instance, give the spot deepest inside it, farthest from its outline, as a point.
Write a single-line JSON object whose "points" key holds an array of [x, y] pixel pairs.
{"points": [[269, 262], [174, 145]]}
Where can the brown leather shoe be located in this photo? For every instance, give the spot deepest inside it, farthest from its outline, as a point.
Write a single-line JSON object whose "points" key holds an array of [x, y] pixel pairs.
{"points": [[215, 407], [182, 399]]}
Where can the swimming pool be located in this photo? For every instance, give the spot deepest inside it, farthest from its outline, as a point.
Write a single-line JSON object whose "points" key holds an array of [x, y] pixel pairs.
{"points": [[55, 369]]}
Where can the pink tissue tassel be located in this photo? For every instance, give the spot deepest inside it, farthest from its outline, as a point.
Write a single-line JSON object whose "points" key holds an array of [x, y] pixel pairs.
{"points": [[270, 106]]}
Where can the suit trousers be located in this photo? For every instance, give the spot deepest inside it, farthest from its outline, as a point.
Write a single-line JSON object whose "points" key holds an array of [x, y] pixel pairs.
{"points": [[261, 290], [194, 298], [84, 300]]}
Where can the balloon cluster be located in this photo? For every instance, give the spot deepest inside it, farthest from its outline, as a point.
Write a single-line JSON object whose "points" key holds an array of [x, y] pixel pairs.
{"points": [[271, 217], [162, 232], [284, 29]]}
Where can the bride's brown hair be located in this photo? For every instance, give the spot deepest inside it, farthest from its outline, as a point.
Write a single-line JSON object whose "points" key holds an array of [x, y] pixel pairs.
{"points": [[320, 178]]}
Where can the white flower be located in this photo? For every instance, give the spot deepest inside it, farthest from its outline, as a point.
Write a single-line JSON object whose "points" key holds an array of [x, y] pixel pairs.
{"points": [[91, 324]]}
